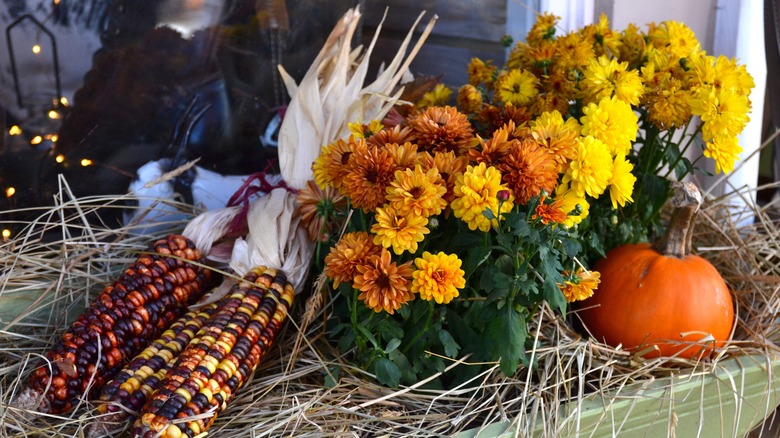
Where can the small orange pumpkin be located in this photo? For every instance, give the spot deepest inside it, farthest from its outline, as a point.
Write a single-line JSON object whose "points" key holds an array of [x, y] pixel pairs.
{"points": [[661, 295]]}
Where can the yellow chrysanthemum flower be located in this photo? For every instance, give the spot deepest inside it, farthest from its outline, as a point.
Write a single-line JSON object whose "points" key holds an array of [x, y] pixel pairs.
{"points": [[591, 170], [719, 73], [438, 277], [481, 72], [575, 206], [518, 56], [724, 112], [613, 122], [360, 130], [724, 151], [574, 52], [668, 99], [673, 37], [469, 99], [439, 96], [581, 285], [604, 40], [606, 78], [516, 87], [634, 45], [477, 190], [621, 186], [403, 233], [417, 192], [543, 29]]}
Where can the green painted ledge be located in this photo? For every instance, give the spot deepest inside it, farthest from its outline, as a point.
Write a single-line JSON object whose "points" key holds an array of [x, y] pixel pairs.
{"points": [[728, 402]]}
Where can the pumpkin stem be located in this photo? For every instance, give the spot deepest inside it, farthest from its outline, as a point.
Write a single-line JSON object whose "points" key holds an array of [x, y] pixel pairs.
{"points": [[677, 240]]}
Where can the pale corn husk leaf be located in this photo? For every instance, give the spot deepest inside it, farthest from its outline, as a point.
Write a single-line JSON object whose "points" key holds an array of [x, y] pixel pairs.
{"points": [[275, 239], [208, 227], [331, 94]]}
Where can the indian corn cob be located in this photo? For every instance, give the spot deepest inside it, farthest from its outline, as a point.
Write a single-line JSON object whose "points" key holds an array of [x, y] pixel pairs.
{"points": [[129, 390], [146, 298], [220, 359]]}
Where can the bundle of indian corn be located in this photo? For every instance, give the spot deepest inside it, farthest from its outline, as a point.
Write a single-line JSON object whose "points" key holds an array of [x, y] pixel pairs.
{"points": [[170, 341]]}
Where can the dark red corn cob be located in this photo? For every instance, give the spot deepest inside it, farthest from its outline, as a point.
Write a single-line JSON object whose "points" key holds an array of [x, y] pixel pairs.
{"points": [[220, 360], [127, 315], [129, 390]]}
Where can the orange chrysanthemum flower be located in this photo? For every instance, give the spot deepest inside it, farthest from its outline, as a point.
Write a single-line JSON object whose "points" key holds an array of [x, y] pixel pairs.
{"points": [[559, 83], [330, 167], [493, 151], [352, 250], [317, 208], [404, 154], [383, 284], [528, 170], [417, 192], [442, 129], [396, 135], [449, 167], [495, 117], [370, 171], [557, 136], [550, 212], [549, 102]]}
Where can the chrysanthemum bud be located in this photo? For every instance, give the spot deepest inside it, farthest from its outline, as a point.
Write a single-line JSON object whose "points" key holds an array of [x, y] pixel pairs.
{"points": [[577, 210], [507, 40], [503, 195], [469, 99], [613, 220], [433, 223]]}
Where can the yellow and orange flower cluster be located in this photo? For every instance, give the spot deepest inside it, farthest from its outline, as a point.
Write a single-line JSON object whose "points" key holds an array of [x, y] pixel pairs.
{"points": [[662, 72], [435, 165], [557, 125]]}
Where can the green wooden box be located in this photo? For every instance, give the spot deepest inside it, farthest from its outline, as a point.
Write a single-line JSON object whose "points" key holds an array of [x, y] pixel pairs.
{"points": [[729, 401]]}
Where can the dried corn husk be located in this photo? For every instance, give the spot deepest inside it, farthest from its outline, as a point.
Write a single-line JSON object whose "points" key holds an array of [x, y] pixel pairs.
{"points": [[276, 238], [331, 94]]}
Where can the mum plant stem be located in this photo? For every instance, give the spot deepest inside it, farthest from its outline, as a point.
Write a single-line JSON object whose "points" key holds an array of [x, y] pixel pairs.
{"points": [[683, 151], [425, 328], [361, 344]]}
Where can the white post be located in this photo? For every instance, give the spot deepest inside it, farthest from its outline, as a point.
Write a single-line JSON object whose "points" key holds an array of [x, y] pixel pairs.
{"points": [[574, 14], [739, 32]]}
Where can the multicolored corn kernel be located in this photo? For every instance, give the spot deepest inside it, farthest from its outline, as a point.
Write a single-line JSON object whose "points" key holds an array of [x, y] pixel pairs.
{"points": [[214, 366], [120, 322], [131, 387]]}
